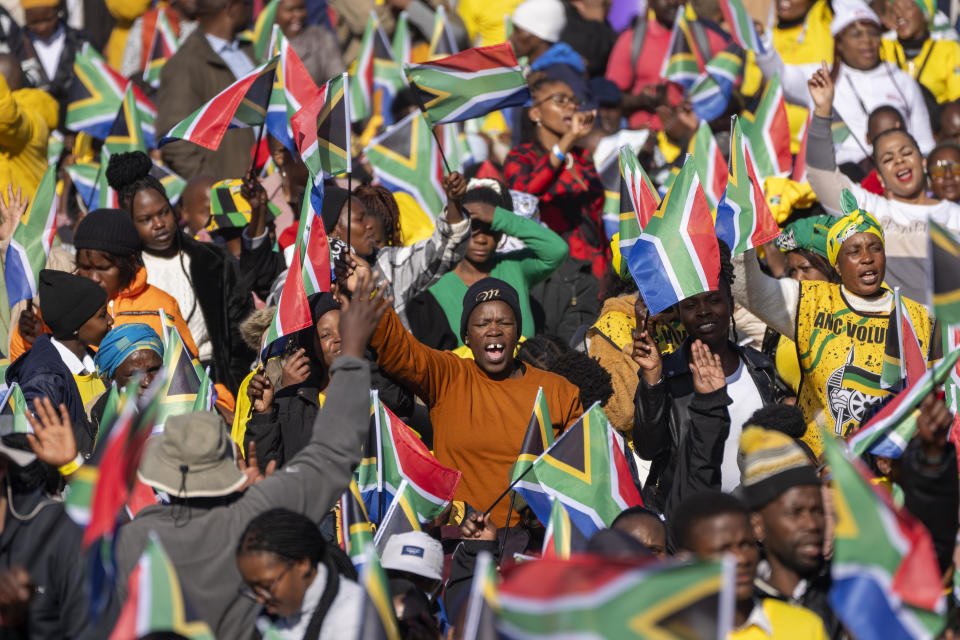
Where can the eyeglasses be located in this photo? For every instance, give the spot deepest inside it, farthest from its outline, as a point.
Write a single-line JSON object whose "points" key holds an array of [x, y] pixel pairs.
{"points": [[940, 169], [561, 100], [258, 593]]}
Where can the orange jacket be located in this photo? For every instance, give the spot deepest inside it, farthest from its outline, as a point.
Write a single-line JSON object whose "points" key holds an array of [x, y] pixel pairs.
{"points": [[139, 302]]}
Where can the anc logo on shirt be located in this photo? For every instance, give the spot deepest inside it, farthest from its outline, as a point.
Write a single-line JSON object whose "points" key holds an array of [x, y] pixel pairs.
{"points": [[850, 392]]}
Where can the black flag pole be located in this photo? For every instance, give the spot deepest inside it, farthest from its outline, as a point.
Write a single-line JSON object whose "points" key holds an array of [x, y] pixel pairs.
{"points": [[423, 110]]}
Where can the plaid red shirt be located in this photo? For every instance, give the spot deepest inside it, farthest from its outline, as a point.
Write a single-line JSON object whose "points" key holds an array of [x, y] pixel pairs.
{"points": [[571, 198]]}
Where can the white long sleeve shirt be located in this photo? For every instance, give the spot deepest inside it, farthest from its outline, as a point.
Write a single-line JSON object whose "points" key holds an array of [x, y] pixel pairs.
{"points": [[856, 95]]}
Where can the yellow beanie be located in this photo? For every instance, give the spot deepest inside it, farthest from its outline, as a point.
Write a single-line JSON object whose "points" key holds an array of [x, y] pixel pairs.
{"points": [[770, 464], [33, 4]]}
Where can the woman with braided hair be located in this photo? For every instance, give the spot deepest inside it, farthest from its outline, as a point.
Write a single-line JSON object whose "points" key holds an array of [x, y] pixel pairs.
{"points": [[200, 276], [666, 401], [288, 567]]}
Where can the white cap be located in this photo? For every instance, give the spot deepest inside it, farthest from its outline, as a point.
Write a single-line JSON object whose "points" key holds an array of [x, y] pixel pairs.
{"points": [[543, 18], [414, 552], [846, 12]]}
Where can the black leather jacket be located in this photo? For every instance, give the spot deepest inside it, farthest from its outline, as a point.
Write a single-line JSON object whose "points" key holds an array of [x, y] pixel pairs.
{"points": [[662, 414]]}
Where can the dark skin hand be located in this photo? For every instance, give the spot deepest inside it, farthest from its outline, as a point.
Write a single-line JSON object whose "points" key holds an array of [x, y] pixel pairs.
{"points": [[933, 424], [254, 193], [250, 466], [52, 439], [454, 185], [296, 369], [361, 314], [29, 324], [16, 590], [477, 526]]}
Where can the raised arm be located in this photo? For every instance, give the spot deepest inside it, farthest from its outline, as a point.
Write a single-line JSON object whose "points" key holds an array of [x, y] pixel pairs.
{"points": [[545, 250], [773, 301], [413, 269], [826, 180], [312, 480]]}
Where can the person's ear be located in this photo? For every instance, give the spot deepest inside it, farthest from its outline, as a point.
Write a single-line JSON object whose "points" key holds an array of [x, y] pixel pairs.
{"points": [[759, 531], [535, 115]]}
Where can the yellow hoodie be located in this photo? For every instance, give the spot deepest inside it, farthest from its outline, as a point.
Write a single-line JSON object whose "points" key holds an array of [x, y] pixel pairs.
{"points": [[27, 116], [936, 66]]}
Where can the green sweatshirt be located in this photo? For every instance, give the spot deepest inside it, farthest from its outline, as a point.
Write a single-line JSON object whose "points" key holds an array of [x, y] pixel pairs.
{"points": [[544, 252]]}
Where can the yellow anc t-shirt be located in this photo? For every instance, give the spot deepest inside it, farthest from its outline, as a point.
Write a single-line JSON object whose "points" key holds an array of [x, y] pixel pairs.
{"points": [[841, 357]]}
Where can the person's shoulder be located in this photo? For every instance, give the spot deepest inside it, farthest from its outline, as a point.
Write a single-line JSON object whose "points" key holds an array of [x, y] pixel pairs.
{"points": [[793, 619]]}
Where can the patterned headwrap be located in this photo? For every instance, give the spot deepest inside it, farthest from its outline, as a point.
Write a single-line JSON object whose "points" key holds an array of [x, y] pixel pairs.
{"points": [[806, 233], [855, 221], [120, 342]]}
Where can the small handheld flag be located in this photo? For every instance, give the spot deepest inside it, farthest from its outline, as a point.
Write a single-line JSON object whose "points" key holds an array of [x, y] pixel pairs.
{"points": [[31, 242], [469, 84], [677, 256]]}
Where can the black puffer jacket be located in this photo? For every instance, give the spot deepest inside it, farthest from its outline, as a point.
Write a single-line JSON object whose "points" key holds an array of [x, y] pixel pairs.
{"points": [[39, 536], [662, 414], [279, 435]]}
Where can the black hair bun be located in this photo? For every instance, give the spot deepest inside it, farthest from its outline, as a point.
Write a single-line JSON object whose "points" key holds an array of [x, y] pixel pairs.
{"points": [[127, 168]]}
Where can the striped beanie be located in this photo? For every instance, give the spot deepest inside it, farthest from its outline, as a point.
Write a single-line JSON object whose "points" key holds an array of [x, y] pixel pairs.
{"points": [[770, 464]]}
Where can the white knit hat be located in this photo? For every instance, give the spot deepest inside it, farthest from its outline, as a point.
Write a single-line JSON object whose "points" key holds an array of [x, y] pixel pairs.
{"points": [[846, 12], [543, 18]]}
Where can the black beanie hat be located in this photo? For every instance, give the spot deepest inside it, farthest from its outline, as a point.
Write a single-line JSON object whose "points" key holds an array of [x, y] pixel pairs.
{"points": [[67, 301], [108, 230], [488, 290], [320, 304], [333, 200]]}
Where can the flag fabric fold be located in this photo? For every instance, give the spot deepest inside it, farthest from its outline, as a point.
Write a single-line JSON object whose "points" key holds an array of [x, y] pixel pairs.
{"points": [[710, 165], [743, 220], [95, 97], [592, 596], [677, 255], [903, 358], [886, 580], [768, 133], [888, 432], [469, 84], [405, 158], [945, 261], [355, 531], [587, 471], [243, 104], [163, 44], [442, 43], [31, 241], [376, 75], [155, 601], [393, 455]]}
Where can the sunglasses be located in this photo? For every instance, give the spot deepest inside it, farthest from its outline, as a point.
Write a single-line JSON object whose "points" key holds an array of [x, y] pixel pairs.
{"points": [[561, 100], [940, 169]]}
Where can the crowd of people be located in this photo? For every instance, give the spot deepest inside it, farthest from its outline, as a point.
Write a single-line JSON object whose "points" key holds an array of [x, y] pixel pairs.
{"points": [[517, 288]]}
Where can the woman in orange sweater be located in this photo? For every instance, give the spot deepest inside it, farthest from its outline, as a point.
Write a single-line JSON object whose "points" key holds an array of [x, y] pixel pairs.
{"points": [[480, 407], [108, 252]]}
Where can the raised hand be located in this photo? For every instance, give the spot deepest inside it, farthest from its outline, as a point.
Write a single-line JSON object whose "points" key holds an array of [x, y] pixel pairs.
{"points": [[707, 369], [296, 369], [933, 424], [29, 324], [260, 391], [52, 438], [11, 211], [454, 185], [360, 317], [251, 467], [476, 526], [582, 123], [646, 355], [254, 193], [821, 89], [356, 266]]}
